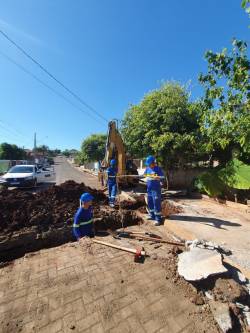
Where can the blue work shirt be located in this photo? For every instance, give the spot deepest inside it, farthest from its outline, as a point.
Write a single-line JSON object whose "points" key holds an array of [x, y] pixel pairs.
{"points": [[154, 184], [83, 223], [111, 172]]}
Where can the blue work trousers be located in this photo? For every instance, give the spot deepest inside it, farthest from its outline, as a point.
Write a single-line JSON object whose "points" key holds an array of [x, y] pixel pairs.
{"points": [[112, 187], [154, 204]]}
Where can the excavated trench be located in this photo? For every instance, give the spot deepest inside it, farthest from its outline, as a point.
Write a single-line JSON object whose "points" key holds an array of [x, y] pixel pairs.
{"points": [[30, 222]]}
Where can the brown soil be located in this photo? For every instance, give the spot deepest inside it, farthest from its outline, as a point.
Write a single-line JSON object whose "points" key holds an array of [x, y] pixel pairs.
{"points": [[29, 222], [56, 205], [20, 209], [139, 203], [168, 208], [228, 290]]}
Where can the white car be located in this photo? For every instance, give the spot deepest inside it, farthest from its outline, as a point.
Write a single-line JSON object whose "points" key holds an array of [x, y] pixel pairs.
{"points": [[26, 176]]}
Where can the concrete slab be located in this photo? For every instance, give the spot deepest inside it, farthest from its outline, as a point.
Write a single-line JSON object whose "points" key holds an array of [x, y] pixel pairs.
{"points": [[198, 264], [227, 226], [221, 315]]}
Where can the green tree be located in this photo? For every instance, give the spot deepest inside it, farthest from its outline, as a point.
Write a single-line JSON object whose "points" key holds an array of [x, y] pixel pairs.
{"points": [[66, 152], [165, 124], [226, 106], [79, 158], [53, 152], [246, 5], [57, 151], [42, 149], [11, 152], [70, 152], [93, 148]]}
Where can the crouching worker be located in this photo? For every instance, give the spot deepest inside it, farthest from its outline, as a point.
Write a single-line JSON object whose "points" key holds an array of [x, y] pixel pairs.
{"points": [[154, 176], [111, 182], [83, 220]]}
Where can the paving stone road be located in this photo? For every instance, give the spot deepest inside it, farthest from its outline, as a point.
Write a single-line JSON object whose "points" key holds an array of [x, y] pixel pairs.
{"points": [[65, 289]]}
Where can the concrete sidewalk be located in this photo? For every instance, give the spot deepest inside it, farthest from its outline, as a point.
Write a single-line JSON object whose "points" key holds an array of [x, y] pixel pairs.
{"points": [[226, 226]]}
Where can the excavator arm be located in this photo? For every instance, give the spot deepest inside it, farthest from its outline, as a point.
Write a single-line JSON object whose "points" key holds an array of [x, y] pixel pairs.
{"points": [[115, 148]]}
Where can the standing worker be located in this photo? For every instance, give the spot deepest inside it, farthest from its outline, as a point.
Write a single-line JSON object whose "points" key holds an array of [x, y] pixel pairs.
{"points": [[154, 176], [83, 220], [111, 182]]}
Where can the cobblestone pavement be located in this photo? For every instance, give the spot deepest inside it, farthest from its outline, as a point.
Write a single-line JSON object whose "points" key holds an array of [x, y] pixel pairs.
{"points": [[99, 289]]}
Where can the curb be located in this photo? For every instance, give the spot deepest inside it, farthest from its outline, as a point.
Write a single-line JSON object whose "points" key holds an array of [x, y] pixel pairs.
{"points": [[228, 203]]}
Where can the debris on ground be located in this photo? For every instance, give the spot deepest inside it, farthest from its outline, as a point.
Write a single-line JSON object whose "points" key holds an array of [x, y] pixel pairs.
{"points": [[169, 208], [86, 245], [198, 264], [198, 299], [222, 286], [130, 201], [222, 315], [203, 244], [229, 291]]}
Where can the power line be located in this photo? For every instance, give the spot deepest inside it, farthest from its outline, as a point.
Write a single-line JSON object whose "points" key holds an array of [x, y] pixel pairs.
{"points": [[11, 133], [48, 87], [52, 76], [11, 128]]}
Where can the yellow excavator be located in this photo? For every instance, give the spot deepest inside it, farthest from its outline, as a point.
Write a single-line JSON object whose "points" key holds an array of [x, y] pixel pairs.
{"points": [[115, 149]]}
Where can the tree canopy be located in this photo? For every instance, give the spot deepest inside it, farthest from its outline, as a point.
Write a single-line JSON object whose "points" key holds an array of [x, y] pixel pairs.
{"points": [[11, 152], [68, 152], [93, 148], [164, 123], [246, 5], [216, 127], [226, 109]]}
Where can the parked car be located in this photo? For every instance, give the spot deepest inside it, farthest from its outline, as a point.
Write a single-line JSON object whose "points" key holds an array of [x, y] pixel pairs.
{"points": [[25, 176], [3, 183]]}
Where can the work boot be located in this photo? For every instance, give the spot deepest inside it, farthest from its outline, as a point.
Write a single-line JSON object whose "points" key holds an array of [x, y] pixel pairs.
{"points": [[157, 223], [149, 217]]}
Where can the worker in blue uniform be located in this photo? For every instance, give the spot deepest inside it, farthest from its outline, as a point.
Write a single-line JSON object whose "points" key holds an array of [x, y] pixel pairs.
{"points": [[154, 176], [83, 220], [111, 182]]}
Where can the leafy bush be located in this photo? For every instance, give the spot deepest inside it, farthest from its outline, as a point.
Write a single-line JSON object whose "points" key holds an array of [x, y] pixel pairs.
{"points": [[235, 175]]}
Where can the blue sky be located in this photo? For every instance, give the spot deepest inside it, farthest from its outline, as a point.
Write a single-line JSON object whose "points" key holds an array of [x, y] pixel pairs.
{"points": [[109, 52]]}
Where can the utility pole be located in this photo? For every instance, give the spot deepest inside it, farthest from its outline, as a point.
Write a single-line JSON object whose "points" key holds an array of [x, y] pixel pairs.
{"points": [[34, 142]]}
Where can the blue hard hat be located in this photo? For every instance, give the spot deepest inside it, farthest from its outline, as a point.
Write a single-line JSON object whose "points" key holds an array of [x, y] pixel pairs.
{"points": [[149, 160], [85, 197], [113, 162]]}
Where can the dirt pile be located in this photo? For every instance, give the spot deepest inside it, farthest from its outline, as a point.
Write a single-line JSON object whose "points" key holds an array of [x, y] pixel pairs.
{"points": [[169, 208], [29, 222], [138, 203], [54, 206]]}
